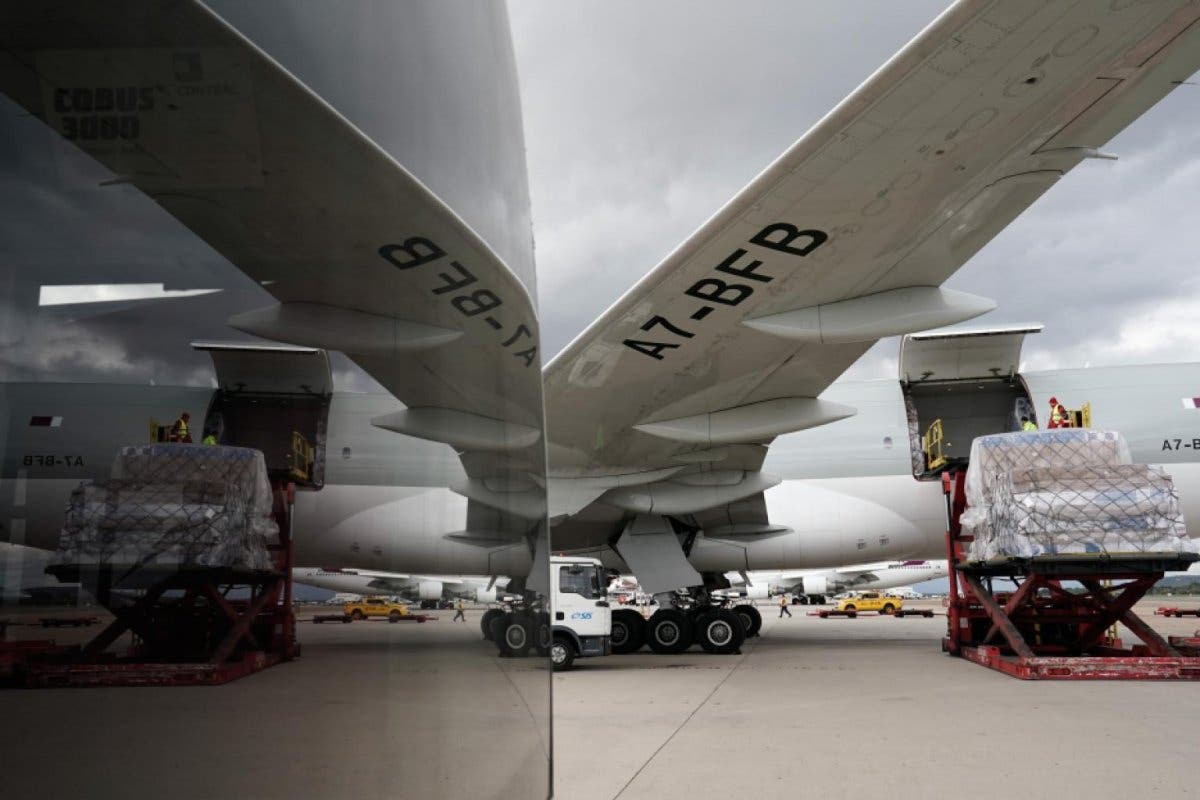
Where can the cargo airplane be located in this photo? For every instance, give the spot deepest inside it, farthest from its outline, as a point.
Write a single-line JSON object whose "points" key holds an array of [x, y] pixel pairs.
{"points": [[414, 588], [814, 585], [695, 428]]}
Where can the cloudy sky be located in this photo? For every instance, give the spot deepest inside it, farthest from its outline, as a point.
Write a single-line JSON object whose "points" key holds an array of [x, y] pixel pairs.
{"points": [[641, 119]]}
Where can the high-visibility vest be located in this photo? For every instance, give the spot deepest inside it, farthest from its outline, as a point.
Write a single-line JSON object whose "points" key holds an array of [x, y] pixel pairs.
{"points": [[1029, 425], [1057, 415], [210, 439]]}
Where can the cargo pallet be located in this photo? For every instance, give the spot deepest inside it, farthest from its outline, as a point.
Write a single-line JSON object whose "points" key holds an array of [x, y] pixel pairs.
{"points": [[901, 612], [185, 629], [1175, 611], [1043, 631], [346, 618]]}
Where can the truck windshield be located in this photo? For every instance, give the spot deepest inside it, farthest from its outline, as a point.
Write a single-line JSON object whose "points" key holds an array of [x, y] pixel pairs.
{"points": [[581, 579]]}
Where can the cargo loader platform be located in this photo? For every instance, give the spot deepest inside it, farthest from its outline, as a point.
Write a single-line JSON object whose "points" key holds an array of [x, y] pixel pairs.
{"points": [[189, 626], [1042, 630]]}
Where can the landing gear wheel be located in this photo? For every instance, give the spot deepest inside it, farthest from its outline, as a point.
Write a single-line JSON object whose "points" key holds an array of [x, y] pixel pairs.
{"points": [[562, 654], [543, 635], [516, 635], [721, 632], [751, 619], [485, 623], [628, 632], [669, 631]]}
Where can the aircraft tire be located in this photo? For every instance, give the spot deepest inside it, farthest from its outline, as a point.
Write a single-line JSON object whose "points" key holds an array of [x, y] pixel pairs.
{"points": [[628, 632], [516, 635], [485, 622], [669, 631], [750, 618], [497, 628], [720, 632], [543, 634], [562, 653]]}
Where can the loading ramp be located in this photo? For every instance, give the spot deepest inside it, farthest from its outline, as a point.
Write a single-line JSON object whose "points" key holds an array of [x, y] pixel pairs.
{"points": [[1043, 630]]}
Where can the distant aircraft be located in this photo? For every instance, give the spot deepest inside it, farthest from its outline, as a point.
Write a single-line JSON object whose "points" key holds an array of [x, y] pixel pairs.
{"points": [[424, 589], [813, 586]]}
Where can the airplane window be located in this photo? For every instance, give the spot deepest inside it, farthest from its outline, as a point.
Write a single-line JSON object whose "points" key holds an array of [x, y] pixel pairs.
{"points": [[263, 315]]}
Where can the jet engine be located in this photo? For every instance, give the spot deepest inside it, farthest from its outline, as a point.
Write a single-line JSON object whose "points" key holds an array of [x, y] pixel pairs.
{"points": [[429, 590], [815, 584], [485, 595], [759, 591]]}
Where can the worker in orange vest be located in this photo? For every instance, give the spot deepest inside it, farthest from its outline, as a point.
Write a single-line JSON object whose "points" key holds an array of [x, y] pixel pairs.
{"points": [[1058, 415], [180, 431]]}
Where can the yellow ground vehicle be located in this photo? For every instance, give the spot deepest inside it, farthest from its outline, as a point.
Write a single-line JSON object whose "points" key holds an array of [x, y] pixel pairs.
{"points": [[870, 601], [375, 607]]}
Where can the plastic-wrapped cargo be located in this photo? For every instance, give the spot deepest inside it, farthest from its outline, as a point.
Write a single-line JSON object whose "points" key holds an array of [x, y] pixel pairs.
{"points": [[994, 456], [173, 506], [1125, 508], [172, 463]]}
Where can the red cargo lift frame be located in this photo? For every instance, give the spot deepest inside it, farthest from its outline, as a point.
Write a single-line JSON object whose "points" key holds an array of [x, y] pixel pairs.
{"points": [[1041, 630], [196, 637]]}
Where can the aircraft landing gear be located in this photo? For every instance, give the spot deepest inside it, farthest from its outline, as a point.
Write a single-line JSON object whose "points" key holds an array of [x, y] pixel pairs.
{"points": [[719, 631], [485, 622], [628, 631], [669, 631], [751, 619]]}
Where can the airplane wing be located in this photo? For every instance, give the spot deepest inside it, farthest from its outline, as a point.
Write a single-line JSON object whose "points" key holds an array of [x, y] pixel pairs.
{"points": [[844, 239], [357, 253]]}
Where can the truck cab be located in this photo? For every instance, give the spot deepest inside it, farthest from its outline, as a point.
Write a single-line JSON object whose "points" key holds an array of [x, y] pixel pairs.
{"points": [[581, 619]]}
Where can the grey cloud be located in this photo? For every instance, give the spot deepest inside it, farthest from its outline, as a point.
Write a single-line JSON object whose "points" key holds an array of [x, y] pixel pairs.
{"points": [[641, 120]]}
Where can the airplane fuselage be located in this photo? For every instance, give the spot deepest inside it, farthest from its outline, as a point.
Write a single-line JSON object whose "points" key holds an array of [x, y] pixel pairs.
{"points": [[848, 493]]}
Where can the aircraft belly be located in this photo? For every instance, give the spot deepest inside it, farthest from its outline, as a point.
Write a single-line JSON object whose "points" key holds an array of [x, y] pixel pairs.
{"points": [[397, 529]]}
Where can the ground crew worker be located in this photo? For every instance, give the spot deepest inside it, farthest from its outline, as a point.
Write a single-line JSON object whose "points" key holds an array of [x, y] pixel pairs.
{"points": [[179, 431], [783, 609], [1028, 425], [1058, 415], [459, 608], [210, 439]]}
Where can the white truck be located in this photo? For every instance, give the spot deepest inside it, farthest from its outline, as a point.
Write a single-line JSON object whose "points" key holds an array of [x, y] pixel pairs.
{"points": [[578, 624]]}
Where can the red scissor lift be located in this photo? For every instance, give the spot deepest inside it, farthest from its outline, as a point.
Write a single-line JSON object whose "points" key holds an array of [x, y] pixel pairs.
{"points": [[186, 629], [1041, 630]]}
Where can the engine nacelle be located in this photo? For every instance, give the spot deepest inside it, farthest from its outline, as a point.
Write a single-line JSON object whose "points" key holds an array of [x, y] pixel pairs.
{"points": [[816, 584], [429, 590], [485, 595], [759, 591]]}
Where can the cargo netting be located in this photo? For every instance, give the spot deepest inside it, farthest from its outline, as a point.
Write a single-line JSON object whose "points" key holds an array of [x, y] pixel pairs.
{"points": [[1085, 509], [1067, 491], [173, 506]]}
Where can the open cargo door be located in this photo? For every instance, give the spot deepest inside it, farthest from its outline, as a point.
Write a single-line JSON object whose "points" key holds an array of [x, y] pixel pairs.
{"points": [[989, 354], [958, 385], [274, 398]]}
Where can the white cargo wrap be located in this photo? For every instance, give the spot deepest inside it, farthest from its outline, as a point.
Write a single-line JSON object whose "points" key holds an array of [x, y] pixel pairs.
{"points": [[1067, 491], [173, 506]]}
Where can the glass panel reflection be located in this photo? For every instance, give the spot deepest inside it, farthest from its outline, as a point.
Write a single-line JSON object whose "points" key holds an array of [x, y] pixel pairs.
{"points": [[267, 288]]}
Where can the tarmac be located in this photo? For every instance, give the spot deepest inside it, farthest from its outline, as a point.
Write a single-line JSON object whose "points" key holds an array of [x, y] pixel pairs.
{"points": [[867, 707], [828, 708]]}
